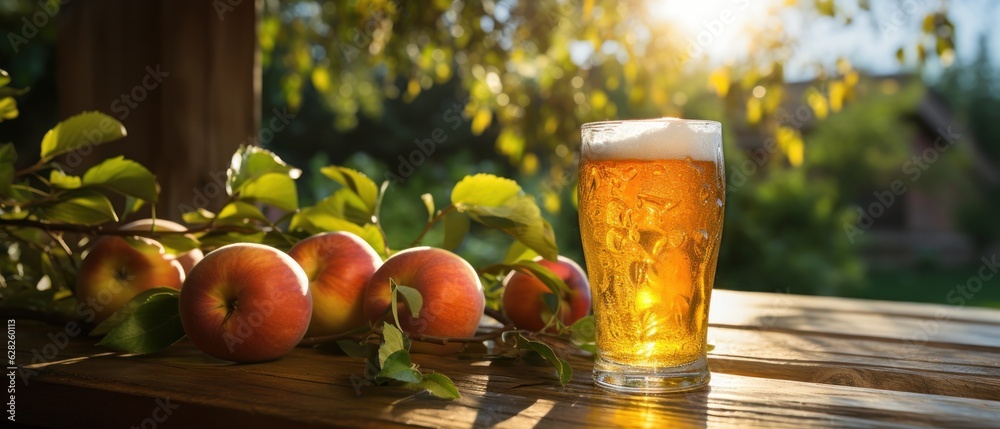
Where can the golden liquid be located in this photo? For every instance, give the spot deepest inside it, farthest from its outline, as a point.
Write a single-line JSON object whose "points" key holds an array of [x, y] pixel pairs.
{"points": [[651, 232]]}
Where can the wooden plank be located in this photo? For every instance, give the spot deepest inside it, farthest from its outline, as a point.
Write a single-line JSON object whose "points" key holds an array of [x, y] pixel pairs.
{"points": [[232, 45], [311, 387], [856, 362], [188, 126], [906, 323]]}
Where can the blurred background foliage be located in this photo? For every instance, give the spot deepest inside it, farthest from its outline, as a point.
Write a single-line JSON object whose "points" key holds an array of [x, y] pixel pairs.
{"points": [[510, 82]]}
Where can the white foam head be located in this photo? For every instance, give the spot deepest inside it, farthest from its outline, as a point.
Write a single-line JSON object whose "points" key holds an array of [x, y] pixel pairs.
{"points": [[652, 139]]}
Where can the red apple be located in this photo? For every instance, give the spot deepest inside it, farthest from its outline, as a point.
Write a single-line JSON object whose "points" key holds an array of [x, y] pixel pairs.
{"points": [[187, 259], [116, 269], [452, 294], [339, 266], [246, 303], [522, 297]]}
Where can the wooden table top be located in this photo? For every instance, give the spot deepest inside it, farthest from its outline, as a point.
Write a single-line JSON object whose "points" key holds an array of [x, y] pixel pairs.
{"points": [[779, 361]]}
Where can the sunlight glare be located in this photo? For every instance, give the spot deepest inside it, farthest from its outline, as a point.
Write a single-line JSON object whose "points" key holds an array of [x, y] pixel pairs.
{"points": [[719, 30]]}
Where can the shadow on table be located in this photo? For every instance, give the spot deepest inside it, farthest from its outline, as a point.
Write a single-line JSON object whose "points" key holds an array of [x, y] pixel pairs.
{"points": [[583, 403]]}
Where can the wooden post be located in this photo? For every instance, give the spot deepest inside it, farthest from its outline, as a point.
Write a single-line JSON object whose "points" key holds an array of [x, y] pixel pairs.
{"points": [[182, 75]]}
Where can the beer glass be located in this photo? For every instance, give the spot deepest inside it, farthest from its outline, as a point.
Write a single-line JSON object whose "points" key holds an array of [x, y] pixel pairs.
{"points": [[651, 202]]}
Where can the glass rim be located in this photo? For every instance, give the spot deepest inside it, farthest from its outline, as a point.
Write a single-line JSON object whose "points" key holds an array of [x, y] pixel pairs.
{"points": [[665, 120]]}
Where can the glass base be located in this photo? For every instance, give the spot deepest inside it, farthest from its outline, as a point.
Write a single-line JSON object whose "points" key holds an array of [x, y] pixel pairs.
{"points": [[633, 379]]}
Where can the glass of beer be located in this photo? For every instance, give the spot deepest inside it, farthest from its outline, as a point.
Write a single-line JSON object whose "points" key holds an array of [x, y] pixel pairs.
{"points": [[651, 202]]}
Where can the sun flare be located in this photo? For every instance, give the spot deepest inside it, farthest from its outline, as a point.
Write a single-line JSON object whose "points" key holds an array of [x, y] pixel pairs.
{"points": [[717, 29]]}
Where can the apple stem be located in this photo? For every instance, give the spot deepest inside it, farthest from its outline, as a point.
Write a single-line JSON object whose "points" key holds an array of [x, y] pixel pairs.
{"points": [[230, 309], [444, 211]]}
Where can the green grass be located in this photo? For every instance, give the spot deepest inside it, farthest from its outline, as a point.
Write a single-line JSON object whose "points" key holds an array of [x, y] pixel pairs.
{"points": [[932, 285]]}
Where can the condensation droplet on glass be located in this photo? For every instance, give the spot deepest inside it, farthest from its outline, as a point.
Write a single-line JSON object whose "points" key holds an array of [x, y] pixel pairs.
{"points": [[676, 237], [626, 217], [615, 239], [719, 202], [638, 271], [630, 174], [690, 163], [706, 192], [615, 212], [654, 200], [634, 235]]}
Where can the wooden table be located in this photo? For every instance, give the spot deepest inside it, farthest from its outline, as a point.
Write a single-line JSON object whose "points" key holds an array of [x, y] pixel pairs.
{"points": [[779, 361]]}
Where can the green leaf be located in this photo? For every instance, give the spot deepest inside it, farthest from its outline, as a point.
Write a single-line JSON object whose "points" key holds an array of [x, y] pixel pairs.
{"points": [[394, 301], [555, 284], [315, 220], [216, 239], [428, 200], [357, 182], [354, 349], [484, 190], [551, 302], [176, 244], [239, 212], [582, 334], [153, 326], [345, 204], [8, 108], [123, 176], [456, 226], [61, 180], [7, 158], [198, 217], [414, 301], [8, 92], [258, 175], [562, 366], [54, 273], [132, 205], [499, 203], [397, 366], [583, 330], [81, 206], [517, 252], [250, 163], [88, 128], [129, 309], [437, 384], [392, 342], [274, 189]]}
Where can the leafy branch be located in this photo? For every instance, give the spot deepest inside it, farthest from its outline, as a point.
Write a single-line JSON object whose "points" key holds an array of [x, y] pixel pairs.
{"points": [[42, 207]]}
